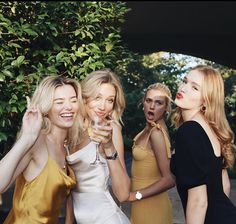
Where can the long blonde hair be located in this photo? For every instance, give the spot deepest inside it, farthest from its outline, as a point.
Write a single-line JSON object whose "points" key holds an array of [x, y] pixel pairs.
{"points": [[214, 111], [91, 85], [90, 88]]}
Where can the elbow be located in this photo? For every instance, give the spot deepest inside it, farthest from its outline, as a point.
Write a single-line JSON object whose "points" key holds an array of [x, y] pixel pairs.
{"points": [[171, 181], [199, 204], [123, 196]]}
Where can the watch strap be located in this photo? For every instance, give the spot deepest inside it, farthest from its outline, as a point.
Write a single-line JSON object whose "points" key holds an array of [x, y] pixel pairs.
{"points": [[113, 156]]}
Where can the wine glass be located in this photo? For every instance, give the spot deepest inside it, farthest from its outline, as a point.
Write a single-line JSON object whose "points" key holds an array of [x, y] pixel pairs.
{"points": [[95, 123]]}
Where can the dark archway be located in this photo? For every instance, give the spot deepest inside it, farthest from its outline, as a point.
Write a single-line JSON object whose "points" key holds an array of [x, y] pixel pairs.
{"points": [[205, 29]]}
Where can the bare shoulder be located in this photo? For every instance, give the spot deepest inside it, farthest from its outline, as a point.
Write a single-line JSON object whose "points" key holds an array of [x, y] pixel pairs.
{"points": [[156, 132]]}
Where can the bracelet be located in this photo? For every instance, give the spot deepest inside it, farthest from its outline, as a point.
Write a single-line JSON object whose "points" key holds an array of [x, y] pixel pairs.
{"points": [[113, 156]]}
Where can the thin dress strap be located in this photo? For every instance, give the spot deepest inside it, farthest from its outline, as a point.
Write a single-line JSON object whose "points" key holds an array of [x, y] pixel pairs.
{"points": [[166, 137], [137, 136]]}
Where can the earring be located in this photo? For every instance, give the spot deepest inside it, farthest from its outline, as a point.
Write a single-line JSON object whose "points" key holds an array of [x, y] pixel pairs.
{"points": [[203, 109]]}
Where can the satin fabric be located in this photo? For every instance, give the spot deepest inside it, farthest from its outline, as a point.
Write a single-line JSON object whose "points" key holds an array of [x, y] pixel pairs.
{"points": [[92, 201], [40, 200]]}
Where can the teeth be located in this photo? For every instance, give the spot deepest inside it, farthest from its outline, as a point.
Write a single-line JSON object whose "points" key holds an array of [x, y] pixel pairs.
{"points": [[67, 115]]}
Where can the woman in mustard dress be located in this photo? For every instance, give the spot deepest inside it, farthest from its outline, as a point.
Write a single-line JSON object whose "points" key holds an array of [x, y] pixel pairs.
{"points": [[150, 172], [37, 160]]}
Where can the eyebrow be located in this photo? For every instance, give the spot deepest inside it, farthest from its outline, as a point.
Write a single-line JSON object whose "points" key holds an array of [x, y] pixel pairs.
{"points": [[192, 81], [156, 100], [99, 94], [60, 98]]}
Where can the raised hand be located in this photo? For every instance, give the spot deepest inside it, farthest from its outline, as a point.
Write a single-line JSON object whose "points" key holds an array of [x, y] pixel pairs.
{"points": [[32, 121]]}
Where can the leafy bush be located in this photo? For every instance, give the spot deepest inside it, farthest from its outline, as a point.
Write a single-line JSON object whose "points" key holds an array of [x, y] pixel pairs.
{"points": [[41, 38]]}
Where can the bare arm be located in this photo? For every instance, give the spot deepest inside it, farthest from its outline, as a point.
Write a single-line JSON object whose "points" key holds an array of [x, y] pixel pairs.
{"points": [[167, 180], [17, 159], [226, 182], [196, 205], [119, 176], [69, 211]]}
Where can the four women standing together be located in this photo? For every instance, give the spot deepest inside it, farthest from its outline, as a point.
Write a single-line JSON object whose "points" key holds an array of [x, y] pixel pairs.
{"points": [[57, 127]]}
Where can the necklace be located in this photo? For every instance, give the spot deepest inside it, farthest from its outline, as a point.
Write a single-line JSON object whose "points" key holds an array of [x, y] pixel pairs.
{"points": [[63, 167]]}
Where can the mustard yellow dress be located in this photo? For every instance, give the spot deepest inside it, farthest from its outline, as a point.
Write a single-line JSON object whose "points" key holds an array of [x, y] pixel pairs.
{"points": [[156, 209], [40, 200]]}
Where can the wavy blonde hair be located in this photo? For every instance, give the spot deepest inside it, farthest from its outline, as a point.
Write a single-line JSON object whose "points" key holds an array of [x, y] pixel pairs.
{"points": [[90, 86], [168, 96], [44, 95], [214, 111], [92, 83]]}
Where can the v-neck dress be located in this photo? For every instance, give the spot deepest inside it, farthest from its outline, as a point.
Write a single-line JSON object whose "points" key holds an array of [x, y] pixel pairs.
{"points": [[40, 200]]}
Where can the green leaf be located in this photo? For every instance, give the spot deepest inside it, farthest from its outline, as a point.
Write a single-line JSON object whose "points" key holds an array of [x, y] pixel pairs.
{"points": [[30, 32], [14, 110], [3, 137], [59, 56], [109, 47], [20, 78], [20, 59], [2, 77], [14, 45]]}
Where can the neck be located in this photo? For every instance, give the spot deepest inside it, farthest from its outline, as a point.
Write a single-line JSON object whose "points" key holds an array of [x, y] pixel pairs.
{"points": [[189, 114], [58, 135]]}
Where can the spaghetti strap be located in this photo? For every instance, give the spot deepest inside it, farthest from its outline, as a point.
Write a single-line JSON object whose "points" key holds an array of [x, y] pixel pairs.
{"points": [[166, 138], [67, 150], [137, 136]]}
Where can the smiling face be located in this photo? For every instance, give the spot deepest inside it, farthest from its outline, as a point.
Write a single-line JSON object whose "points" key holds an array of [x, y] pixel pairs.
{"points": [[103, 103], [65, 107], [154, 105], [189, 95]]}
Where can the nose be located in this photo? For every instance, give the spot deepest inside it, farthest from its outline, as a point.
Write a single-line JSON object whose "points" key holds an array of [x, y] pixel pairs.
{"points": [[102, 105], [68, 105], [183, 88], [152, 105]]}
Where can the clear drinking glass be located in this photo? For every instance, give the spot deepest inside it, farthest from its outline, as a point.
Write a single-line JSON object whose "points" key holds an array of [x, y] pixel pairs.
{"points": [[95, 123]]}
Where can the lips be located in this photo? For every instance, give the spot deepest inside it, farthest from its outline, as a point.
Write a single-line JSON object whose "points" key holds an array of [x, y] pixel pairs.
{"points": [[179, 96], [100, 114], [150, 115]]}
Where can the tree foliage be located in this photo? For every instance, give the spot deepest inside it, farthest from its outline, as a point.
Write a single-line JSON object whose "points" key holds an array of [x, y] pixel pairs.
{"points": [[169, 69], [41, 38]]}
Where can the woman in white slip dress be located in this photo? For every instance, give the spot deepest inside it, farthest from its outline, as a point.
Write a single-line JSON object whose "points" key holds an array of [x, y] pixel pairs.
{"points": [[91, 201]]}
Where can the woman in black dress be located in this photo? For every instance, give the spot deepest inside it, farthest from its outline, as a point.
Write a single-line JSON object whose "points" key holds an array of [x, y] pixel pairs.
{"points": [[203, 148]]}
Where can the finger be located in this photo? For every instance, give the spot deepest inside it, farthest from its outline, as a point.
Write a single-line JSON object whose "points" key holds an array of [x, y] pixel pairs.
{"points": [[28, 101], [102, 133]]}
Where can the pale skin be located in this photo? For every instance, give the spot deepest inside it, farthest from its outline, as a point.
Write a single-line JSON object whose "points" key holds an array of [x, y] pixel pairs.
{"points": [[154, 109], [190, 103], [111, 139], [29, 154]]}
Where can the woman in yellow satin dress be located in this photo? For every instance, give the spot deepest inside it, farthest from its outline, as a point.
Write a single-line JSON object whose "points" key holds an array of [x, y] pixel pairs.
{"points": [[37, 159], [150, 172]]}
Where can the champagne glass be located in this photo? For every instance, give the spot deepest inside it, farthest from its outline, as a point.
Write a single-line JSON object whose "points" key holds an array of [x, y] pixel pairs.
{"points": [[95, 123]]}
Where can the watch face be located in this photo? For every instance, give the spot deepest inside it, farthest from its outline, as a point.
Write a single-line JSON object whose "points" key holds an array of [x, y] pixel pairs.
{"points": [[138, 195]]}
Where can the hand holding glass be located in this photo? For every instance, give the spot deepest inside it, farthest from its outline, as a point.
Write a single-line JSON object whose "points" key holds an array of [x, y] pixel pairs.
{"points": [[95, 123]]}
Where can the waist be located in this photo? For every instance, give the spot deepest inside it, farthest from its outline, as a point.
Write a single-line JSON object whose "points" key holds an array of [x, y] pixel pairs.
{"points": [[91, 189]]}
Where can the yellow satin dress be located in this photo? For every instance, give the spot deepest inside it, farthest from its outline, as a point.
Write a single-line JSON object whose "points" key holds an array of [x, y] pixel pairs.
{"points": [[40, 200], [156, 209]]}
